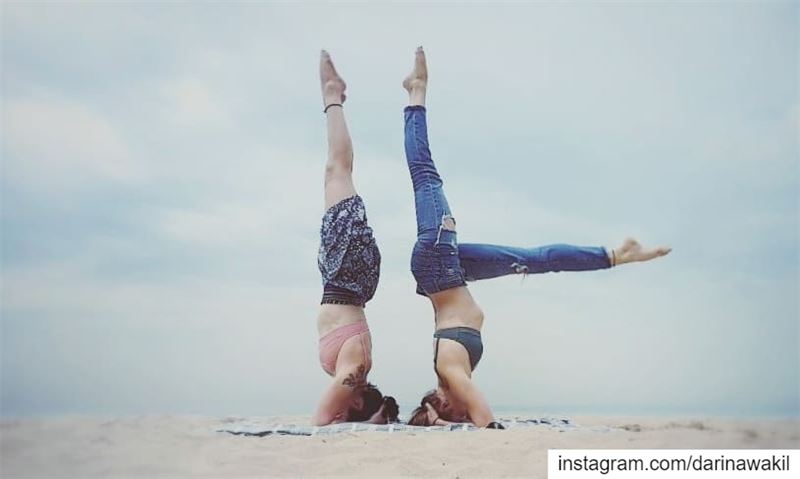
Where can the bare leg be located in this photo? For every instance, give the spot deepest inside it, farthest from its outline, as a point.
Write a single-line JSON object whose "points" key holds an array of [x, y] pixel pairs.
{"points": [[631, 251], [339, 167]]}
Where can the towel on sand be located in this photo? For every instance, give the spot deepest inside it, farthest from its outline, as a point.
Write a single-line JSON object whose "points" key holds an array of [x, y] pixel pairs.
{"points": [[255, 428]]}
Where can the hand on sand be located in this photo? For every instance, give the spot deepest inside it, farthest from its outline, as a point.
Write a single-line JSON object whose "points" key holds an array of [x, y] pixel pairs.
{"points": [[433, 416]]}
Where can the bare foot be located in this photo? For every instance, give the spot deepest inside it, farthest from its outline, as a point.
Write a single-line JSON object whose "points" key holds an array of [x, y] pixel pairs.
{"points": [[417, 81], [332, 84], [631, 251], [418, 78]]}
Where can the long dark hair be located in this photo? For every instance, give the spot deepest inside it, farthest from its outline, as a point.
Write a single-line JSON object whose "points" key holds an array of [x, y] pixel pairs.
{"points": [[373, 400], [419, 417]]}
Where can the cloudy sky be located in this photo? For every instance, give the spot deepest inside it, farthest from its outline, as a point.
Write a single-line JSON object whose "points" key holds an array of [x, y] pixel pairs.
{"points": [[162, 191]]}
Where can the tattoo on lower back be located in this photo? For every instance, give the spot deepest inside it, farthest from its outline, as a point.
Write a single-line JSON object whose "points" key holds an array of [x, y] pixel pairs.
{"points": [[357, 379]]}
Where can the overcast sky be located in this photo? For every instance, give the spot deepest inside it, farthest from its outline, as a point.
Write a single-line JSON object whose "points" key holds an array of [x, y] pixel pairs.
{"points": [[162, 170]]}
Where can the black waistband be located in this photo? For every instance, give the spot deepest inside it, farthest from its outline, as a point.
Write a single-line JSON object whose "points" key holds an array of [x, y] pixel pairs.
{"points": [[446, 332], [335, 295]]}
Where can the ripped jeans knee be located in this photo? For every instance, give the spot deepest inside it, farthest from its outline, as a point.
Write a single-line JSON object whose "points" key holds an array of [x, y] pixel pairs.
{"points": [[435, 261], [448, 224], [520, 268]]}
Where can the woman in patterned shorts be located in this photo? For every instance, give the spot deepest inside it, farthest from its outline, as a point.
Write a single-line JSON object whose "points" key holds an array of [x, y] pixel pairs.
{"points": [[349, 261]]}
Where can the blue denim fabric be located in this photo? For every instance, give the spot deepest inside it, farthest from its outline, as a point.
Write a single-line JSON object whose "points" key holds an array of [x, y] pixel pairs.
{"points": [[438, 262], [484, 261], [434, 261]]}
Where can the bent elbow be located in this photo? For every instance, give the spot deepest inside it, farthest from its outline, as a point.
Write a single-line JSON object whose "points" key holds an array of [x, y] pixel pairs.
{"points": [[482, 418]]}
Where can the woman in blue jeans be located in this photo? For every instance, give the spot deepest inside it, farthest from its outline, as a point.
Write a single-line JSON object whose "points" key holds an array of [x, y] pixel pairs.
{"points": [[442, 267]]}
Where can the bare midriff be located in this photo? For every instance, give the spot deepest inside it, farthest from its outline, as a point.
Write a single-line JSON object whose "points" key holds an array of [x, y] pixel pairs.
{"points": [[332, 316], [455, 307]]}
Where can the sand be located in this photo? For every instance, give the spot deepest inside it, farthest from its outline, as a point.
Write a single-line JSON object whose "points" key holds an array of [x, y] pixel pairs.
{"points": [[180, 446]]}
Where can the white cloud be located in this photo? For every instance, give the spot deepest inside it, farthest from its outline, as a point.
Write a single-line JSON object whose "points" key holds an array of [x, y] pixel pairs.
{"points": [[53, 143], [190, 103]]}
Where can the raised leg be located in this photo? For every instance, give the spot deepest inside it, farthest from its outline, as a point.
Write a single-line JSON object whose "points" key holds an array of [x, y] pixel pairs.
{"points": [[339, 167], [485, 261], [433, 211]]}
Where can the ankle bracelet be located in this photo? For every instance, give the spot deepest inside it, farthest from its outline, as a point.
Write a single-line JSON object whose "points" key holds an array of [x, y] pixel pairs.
{"points": [[613, 257], [332, 104]]}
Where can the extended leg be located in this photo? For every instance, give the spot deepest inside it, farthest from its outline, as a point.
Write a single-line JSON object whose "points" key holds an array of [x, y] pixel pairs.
{"points": [[339, 167], [433, 212], [484, 261]]}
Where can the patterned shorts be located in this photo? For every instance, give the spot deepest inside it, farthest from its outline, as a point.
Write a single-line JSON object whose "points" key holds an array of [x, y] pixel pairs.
{"points": [[348, 258]]}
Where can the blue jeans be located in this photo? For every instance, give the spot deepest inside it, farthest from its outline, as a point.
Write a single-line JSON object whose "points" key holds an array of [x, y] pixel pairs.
{"points": [[438, 262]]}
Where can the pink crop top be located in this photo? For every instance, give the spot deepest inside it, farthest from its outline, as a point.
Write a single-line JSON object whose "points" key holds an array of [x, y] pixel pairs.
{"points": [[331, 344]]}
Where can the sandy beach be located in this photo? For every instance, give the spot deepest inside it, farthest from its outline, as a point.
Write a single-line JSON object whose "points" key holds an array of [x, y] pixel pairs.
{"points": [[180, 446]]}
